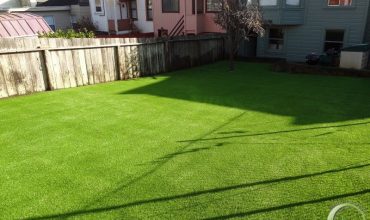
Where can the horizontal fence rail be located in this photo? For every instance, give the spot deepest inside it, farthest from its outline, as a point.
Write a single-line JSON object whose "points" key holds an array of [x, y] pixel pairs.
{"points": [[29, 65]]}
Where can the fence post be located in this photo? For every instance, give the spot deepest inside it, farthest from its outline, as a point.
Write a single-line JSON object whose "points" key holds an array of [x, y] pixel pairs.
{"points": [[167, 55], [46, 68], [117, 63]]}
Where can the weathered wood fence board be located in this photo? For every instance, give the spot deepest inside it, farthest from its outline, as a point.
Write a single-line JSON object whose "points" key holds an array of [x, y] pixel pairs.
{"points": [[29, 65]]}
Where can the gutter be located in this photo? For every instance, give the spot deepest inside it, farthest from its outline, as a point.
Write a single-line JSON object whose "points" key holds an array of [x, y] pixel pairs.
{"points": [[40, 9]]}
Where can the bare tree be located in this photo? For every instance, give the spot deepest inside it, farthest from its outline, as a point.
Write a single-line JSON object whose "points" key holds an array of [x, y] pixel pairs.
{"points": [[240, 19]]}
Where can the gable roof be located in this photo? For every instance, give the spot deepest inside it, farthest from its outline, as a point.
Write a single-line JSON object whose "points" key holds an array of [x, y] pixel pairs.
{"points": [[22, 25]]}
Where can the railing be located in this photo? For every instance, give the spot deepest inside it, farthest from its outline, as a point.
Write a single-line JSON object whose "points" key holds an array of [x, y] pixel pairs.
{"points": [[179, 27]]}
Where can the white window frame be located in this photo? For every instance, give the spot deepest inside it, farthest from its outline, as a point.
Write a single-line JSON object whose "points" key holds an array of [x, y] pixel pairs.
{"points": [[102, 8]]}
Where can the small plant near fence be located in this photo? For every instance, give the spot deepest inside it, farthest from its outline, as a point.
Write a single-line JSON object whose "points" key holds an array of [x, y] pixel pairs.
{"points": [[68, 34]]}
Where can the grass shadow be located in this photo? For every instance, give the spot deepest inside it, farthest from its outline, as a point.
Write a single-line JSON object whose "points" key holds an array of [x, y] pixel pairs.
{"points": [[309, 99]]}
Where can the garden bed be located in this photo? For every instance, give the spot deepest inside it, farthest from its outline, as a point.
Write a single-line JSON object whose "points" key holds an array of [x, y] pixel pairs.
{"points": [[299, 68]]}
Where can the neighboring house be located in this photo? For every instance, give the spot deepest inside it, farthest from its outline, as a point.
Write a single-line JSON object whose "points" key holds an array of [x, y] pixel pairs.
{"points": [[21, 25], [59, 14], [183, 17], [122, 16], [294, 28], [299, 27]]}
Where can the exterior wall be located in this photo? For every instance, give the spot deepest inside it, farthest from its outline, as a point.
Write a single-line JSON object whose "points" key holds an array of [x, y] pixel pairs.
{"points": [[62, 18], [300, 40], [166, 20], [99, 20], [80, 11], [194, 24], [9, 4], [142, 23], [208, 24]]}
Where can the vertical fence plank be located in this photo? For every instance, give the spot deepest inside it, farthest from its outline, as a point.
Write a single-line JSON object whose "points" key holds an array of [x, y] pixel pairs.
{"points": [[58, 66]]}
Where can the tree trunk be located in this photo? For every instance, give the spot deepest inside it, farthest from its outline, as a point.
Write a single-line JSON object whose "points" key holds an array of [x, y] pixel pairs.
{"points": [[231, 61], [231, 55]]}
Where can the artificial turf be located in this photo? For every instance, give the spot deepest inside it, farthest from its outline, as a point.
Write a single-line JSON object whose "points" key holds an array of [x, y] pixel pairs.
{"points": [[192, 144]]}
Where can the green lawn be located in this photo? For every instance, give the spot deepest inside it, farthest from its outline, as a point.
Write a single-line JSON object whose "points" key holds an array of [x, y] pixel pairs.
{"points": [[193, 144]]}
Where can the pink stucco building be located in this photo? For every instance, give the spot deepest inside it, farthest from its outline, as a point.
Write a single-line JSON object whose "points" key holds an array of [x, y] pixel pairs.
{"points": [[184, 17]]}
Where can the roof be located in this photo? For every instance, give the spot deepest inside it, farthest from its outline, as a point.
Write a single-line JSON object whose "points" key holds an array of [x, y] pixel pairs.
{"points": [[63, 3], [22, 25]]}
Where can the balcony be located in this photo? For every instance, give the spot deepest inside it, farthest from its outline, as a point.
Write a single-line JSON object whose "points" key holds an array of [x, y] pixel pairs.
{"points": [[284, 12]]}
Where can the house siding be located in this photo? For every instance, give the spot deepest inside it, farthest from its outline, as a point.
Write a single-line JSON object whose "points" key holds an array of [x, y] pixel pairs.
{"points": [[300, 40]]}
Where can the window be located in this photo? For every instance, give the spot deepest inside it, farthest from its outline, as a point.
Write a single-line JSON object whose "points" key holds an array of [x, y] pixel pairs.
{"points": [[276, 39], [74, 21], [149, 10], [50, 21], [170, 6], [339, 2], [214, 5], [99, 6], [200, 6], [268, 2], [293, 2], [133, 10], [334, 40]]}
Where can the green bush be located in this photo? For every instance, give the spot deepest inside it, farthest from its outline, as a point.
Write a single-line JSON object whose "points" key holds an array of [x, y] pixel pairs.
{"points": [[68, 34]]}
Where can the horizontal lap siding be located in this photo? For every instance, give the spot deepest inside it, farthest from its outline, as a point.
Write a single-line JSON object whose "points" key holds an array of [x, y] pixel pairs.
{"points": [[301, 40]]}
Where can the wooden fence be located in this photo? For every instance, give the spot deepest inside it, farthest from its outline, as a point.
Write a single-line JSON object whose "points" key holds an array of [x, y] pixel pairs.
{"points": [[29, 65]]}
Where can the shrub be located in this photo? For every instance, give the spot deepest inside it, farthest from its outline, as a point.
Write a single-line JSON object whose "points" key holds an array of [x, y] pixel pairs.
{"points": [[70, 33], [84, 24]]}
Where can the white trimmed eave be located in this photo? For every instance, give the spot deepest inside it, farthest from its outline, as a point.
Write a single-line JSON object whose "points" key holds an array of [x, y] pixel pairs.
{"points": [[40, 9]]}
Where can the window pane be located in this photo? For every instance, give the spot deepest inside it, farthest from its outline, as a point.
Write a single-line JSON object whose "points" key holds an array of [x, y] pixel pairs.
{"points": [[333, 46], [170, 5], [213, 5], [334, 35], [149, 10], [293, 2], [268, 2], [276, 44], [339, 2], [50, 21], [200, 6], [276, 39], [98, 6], [276, 33]]}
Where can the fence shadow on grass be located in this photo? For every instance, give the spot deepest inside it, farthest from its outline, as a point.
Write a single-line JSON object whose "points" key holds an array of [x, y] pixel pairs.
{"points": [[309, 99], [221, 190], [290, 205]]}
